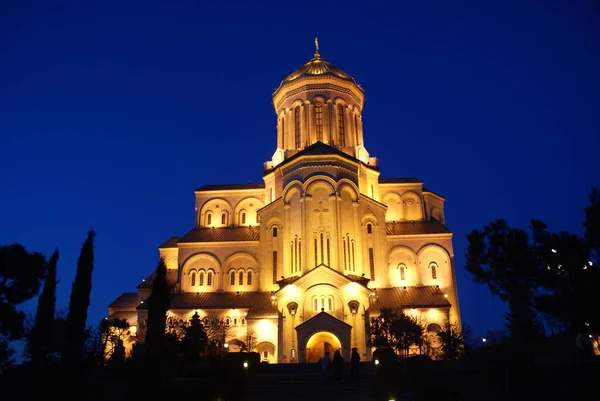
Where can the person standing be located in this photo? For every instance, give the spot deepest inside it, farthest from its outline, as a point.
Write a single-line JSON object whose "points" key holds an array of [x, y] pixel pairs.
{"points": [[338, 366], [354, 363], [325, 363]]}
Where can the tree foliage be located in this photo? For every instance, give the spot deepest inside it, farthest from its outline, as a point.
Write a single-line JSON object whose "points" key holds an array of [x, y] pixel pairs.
{"points": [[79, 303], [112, 332], [21, 273], [396, 330], [41, 335], [158, 305], [452, 341], [217, 331], [506, 260]]}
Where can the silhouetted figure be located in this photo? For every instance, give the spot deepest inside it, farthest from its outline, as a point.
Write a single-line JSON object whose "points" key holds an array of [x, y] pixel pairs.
{"points": [[354, 363], [338, 365], [325, 363]]}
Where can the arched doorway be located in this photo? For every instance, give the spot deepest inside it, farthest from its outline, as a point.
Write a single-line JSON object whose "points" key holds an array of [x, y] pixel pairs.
{"points": [[319, 343]]}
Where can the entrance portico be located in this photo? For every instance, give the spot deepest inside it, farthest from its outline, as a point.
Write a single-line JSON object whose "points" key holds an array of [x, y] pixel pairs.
{"points": [[321, 333]]}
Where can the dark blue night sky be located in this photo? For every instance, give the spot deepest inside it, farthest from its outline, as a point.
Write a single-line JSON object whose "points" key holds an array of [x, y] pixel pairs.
{"points": [[113, 112]]}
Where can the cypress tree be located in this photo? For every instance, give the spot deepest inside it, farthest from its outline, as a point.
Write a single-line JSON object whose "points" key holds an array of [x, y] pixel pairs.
{"points": [[41, 333], [158, 305], [79, 303]]}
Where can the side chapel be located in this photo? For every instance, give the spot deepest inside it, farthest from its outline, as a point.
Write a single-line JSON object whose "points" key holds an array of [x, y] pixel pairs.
{"points": [[306, 257]]}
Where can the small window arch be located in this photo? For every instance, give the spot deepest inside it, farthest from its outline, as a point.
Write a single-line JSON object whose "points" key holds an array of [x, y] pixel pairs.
{"points": [[209, 279], [208, 218], [201, 279], [402, 269], [232, 278], [227, 321], [274, 232], [249, 278], [433, 268], [193, 280], [315, 304], [242, 321], [235, 321], [223, 218], [265, 355], [369, 228], [205, 320], [243, 217], [241, 278], [330, 303]]}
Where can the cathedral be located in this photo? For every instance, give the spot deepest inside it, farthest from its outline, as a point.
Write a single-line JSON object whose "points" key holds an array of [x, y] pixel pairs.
{"points": [[304, 259]]}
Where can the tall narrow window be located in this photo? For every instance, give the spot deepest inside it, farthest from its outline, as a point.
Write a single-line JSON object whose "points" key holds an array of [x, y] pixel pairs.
{"points": [[319, 120], [402, 272], [372, 263], [356, 129], [330, 303], [274, 232], [345, 254], [316, 262], [296, 253], [352, 255], [274, 267], [201, 279], [208, 219], [316, 305], [249, 279], [292, 257], [322, 303], [342, 135], [223, 218], [328, 254], [232, 278], [299, 255], [243, 218], [297, 127], [209, 279], [241, 278], [322, 245], [193, 283], [369, 229], [433, 271]]}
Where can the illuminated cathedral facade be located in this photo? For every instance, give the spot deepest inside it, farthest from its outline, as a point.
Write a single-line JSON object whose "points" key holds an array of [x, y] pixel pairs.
{"points": [[306, 257]]}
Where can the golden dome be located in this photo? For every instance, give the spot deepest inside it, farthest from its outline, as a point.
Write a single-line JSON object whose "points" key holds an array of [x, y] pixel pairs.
{"points": [[316, 66]]}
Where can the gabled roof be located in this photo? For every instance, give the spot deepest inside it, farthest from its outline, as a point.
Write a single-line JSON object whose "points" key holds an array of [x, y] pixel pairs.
{"points": [[416, 227], [170, 243], [224, 187], [259, 304], [222, 234], [298, 280], [323, 317], [405, 180], [131, 316], [412, 297], [125, 300], [171, 279]]}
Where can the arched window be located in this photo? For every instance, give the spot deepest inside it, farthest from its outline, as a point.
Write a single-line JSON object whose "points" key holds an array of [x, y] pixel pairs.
{"points": [[243, 218], [242, 321], [208, 219], [342, 135], [402, 272], [241, 278], [433, 267], [356, 129], [330, 303], [201, 279], [232, 282], [274, 232], [372, 263], [193, 283], [369, 229], [235, 321], [315, 304], [209, 279], [297, 139], [223, 218], [227, 321], [328, 257], [319, 120], [265, 355], [274, 267], [316, 255], [249, 280]]}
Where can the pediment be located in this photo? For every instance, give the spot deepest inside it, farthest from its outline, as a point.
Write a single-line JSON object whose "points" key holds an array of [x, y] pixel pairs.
{"points": [[323, 321], [322, 274]]}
